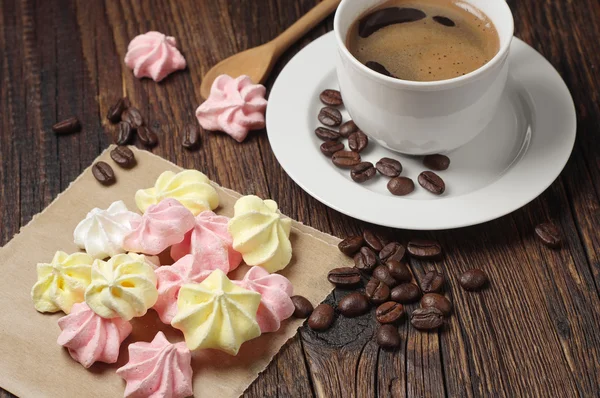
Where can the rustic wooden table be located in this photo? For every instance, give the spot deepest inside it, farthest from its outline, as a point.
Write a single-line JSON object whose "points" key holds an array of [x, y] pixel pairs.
{"points": [[534, 332]]}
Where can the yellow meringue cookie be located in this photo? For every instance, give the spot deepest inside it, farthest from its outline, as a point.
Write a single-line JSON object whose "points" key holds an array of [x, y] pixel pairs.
{"points": [[217, 314], [62, 282], [121, 287], [190, 187], [261, 233]]}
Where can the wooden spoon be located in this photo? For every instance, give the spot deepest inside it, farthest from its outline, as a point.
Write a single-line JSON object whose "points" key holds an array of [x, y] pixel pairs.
{"points": [[258, 61]]}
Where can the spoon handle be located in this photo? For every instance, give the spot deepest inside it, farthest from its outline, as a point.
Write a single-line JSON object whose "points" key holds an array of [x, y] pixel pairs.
{"points": [[304, 24]]}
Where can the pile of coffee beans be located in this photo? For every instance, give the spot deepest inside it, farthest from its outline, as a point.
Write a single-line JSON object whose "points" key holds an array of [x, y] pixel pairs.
{"points": [[362, 171], [130, 123]]}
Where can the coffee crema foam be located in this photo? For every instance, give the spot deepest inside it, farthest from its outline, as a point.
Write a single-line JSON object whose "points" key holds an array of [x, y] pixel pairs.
{"points": [[423, 40]]}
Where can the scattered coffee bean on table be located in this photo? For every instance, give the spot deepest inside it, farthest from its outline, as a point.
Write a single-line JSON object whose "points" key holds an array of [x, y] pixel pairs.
{"points": [[123, 156], [358, 141], [330, 117], [354, 304], [302, 307], [345, 159], [328, 148], [67, 126], [389, 312], [436, 162], [392, 251], [103, 173], [327, 134], [362, 172], [427, 318], [425, 249], [351, 245], [191, 136], [147, 136], [388, 337], [399, 271], [321, 318], [133, 117], [383, 274], [433, 282], [115, 111], [365, 260], [377, 291], [331, 98], [389, 167], [344, 277], [348, 128], [372, 240], [124, 133], [432, 182], [401, 186], [437, 301], [473, 280], [549, 234], [406, 293]]}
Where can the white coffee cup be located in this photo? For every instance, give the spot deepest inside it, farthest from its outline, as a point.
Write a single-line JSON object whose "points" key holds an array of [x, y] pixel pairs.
{"points": [[420, 118]]}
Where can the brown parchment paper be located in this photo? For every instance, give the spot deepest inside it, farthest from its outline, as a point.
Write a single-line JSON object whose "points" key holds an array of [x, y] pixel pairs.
{"points": [[32, 364]]}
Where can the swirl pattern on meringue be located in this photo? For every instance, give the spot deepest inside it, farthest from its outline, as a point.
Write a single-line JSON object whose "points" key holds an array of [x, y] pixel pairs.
{"points": [[190, 187], [158, 369], [154, 55], [91, 338], [101, 233], [261, 233], [234, 106]]}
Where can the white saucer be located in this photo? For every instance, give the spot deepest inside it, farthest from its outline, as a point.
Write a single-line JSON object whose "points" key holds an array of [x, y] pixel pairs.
{"points": [[509, 164]]}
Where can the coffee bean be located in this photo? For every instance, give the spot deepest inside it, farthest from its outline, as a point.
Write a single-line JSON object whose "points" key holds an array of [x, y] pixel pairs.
{"points": [[436, 162], [399, 271], [473, 280], [354, 304], [331, 98], [427, 318], [383, 274], [103, 173], [389, 167], [147, 136], [358, 141], [401, 186], [351, 245], [345, 159], [115, 111], [434, 300], [133, 116], [388, 337], [321, 318], [433, 282], [389, 312], [372, 240], [67, 126], [124, 133], [191, 136], [302, 307], [377, 291], [365, 260], [392, 251], [444, 21], [344, 277], [406, 293], [432, 182], [328, 148], [362, 172], [424, 249], [348, 128], [327, 134], [330, 117], [377, 67], [549, 234], [123, 156]]}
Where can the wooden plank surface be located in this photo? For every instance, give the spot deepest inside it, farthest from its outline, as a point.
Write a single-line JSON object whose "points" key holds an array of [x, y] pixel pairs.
{"points": [[533, 333]]}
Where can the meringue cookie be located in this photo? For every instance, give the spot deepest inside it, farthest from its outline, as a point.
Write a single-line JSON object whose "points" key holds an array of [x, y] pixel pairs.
{"points": [[275, 292], [217, 314], [121, 287], [101, 233], [210, 242], [190, 187], [154, 55], [234, 106], [62, 283], [91, 338], [152, 261], [161, 226], [261, 233], [170, 279], [158, 369]]}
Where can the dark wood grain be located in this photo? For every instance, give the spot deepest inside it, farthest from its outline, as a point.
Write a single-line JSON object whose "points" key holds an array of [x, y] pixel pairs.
{"points": [[533, 332]]}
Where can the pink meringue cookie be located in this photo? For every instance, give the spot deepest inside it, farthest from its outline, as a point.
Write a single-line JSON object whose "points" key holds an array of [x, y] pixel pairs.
{"points": [[89, 337], [234, 106], [210, 242], [169, 281], [275, 302], [154, 55], [158, 369], [161, 226]]}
